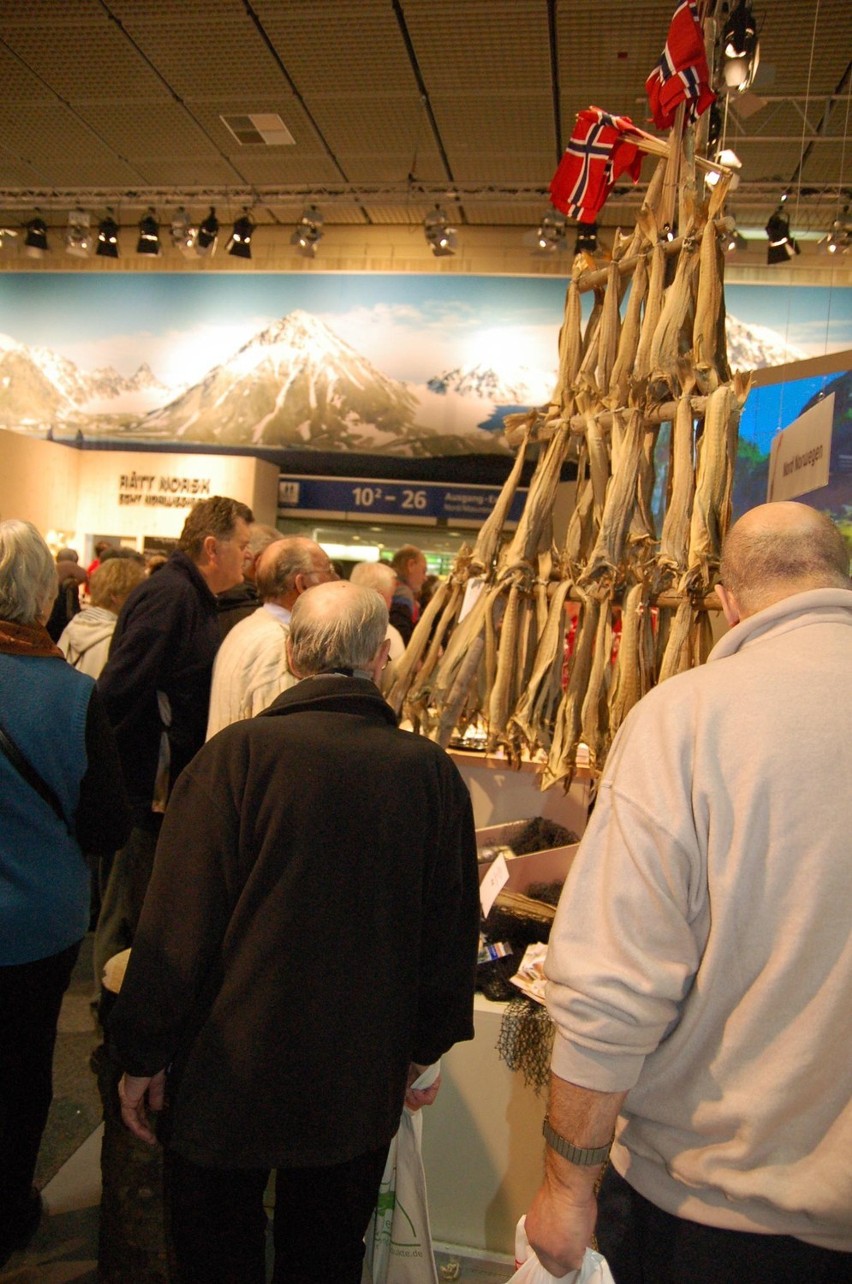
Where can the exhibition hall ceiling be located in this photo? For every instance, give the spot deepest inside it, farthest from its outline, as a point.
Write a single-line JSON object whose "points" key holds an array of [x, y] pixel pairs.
{"points": [[384, 108]]}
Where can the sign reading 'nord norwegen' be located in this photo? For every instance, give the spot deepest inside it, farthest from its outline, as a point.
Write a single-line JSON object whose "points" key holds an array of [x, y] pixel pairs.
{"points": [[799, 456]]}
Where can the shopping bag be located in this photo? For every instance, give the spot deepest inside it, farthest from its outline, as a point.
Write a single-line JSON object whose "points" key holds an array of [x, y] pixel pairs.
{"points": [[399, 1239], [530, 1270]]}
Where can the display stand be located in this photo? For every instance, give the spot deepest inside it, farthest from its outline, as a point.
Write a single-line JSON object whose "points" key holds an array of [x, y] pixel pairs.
{"points": [[482, 1144]]}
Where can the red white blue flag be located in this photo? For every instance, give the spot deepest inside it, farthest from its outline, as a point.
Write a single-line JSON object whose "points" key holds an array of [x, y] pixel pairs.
{"points": [[599, 151], [682, 74]]}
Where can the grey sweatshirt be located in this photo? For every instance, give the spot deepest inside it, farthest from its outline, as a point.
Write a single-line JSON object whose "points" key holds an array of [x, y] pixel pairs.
{"points": [[701, 956]]}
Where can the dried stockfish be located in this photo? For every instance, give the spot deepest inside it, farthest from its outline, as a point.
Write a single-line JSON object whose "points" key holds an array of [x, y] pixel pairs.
{"points": [[677, 656], [537, 706], [668, 342], [562, 759], [407, 664], [653, 309], [674, 543], [485, 549], [610, 328], [628, 341], [709, 295], [631, 677], [593, 715], [710, 513], [608, 552]]}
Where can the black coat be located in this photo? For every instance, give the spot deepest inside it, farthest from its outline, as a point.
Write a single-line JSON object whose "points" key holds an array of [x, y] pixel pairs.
{"points": [[165, 639], [311, 927]]}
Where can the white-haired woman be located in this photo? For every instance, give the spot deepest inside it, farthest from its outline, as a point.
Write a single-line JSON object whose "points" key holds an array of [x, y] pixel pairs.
{"points": [[85, 639], [61, 794]]}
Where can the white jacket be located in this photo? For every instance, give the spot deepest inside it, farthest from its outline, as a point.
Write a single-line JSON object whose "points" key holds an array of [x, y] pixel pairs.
{"points": [[85, 639], [251, 668], [701, 956]]}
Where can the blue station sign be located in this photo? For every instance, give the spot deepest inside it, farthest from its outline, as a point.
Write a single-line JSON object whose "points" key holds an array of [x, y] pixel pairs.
{"points": [[368, 498]]}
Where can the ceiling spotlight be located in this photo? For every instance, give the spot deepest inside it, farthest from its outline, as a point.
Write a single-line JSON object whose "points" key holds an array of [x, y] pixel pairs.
{"points": [[183, 232], [441, 237], [239, 242], [839, 239], [35, 241], [308, 232], [734, 241], [149, 235], [732, 162], [781, 246], [78, 237], [740, 49], [107, 247], [8, 238], [587, 238], [551, 236], [208, 234]]}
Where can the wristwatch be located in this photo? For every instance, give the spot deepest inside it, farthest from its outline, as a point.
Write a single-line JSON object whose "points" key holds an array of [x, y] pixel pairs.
{"points": [[585, 1156]]}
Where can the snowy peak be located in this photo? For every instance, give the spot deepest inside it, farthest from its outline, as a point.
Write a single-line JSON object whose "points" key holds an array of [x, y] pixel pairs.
{"points": [[518, 387], [750, 347]]}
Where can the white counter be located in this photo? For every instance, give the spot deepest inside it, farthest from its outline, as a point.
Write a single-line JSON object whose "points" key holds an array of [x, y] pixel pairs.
{"points": [[482, 1144]]}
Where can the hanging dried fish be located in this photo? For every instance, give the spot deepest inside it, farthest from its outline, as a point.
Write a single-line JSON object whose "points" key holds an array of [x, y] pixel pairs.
{"points": [[674, 543], [653, 310], [485, 549], [594, 724], [676, 657], [610, 328], [537, 706], [628, 341], [631, 678], [712, 488], [668, 342], [608, 551], [709, 295], [562, 759]]}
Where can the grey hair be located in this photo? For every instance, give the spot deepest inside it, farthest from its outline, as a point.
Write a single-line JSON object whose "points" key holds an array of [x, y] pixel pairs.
{"points": [[294, 555], [261, 536], [336, 626], [28, 583], [374, 575]]}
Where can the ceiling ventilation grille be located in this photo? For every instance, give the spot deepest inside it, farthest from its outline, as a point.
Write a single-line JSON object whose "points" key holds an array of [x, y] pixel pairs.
{"points": [[266, 128]]}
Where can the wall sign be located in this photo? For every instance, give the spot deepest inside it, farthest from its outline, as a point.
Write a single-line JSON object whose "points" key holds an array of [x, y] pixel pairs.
{"points": [[161, 490], [369, 498], [800, 454]]}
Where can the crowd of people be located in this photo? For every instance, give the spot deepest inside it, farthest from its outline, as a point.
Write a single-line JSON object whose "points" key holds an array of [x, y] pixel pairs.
{"points": [[295, 879]]}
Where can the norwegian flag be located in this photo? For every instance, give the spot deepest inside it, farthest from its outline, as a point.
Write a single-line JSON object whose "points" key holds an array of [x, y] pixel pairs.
{"points": [[598, 153], [682, 74]]}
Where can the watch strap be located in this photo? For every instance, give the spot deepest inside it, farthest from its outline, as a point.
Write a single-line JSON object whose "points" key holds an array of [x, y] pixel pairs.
{"points": [[585, 1156]]}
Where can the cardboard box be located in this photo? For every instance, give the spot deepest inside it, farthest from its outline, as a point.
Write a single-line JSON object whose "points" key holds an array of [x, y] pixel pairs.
{"points": [[548, 866]]}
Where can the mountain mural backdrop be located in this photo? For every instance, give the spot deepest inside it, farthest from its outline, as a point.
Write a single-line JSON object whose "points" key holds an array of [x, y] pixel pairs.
{"points": [[295, 385]]}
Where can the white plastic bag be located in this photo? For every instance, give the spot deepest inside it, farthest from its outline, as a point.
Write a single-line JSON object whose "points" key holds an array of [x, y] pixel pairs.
{"points": [[530, 1270], [399, 1238]]}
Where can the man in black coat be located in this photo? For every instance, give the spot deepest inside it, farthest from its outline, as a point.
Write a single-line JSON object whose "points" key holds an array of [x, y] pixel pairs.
{"points": [[307, 947], [155, 687]]}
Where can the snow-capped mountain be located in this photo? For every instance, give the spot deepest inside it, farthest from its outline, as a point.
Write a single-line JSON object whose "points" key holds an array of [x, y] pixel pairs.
{"points": [[293, 384], [753, 346], [518, 387], [38, 385]]}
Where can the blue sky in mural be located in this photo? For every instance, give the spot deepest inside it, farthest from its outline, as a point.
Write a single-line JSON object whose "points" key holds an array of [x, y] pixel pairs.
{"points": [[412, 327]]}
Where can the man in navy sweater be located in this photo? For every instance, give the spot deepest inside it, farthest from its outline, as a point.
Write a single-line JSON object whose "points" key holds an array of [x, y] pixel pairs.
{"points": [[156, 690]]}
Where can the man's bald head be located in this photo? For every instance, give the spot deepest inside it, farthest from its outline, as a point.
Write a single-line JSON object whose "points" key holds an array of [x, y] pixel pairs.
{"points": [[776, 550], [289, 566], [337, 626]]}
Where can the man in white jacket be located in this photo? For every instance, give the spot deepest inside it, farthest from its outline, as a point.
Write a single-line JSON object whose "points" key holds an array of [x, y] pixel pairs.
{"points": [[700, 964], [251, 666]]}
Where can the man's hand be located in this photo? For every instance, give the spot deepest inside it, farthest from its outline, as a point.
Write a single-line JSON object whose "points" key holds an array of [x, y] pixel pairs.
{"points": [[560, 1225], [132, 1091], [417, 1097]]}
